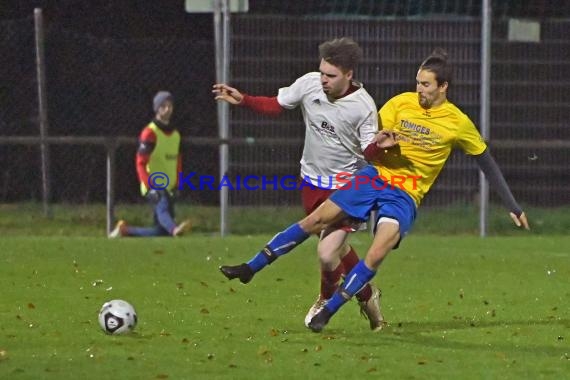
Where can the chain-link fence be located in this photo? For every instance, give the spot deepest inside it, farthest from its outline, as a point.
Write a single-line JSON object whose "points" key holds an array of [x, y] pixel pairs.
{"points": [[414, 8], [103, 86], [529, 135], [98, 87]]}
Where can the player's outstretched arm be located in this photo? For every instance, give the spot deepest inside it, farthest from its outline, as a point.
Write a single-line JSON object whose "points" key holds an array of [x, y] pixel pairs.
{"points": [[493, 174], [229, 94], [260, 104]]}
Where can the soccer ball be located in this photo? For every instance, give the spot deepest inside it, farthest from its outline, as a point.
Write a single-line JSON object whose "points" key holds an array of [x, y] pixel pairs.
{"points": [[117, 317]]}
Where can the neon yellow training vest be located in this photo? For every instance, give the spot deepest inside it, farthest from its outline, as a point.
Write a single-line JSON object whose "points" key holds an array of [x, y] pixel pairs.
{"points": [[164, 157]]}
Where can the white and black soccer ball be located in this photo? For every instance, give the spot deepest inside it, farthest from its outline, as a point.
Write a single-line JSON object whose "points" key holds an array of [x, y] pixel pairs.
{"points": [[117, 317]]}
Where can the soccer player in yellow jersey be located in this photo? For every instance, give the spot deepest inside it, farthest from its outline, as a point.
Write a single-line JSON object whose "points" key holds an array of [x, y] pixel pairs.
{"points": [[418, 132]]}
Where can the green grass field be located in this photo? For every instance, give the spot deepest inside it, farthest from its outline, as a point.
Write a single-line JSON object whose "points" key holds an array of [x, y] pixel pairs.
{"points": [[458, 308], [25, 219]]}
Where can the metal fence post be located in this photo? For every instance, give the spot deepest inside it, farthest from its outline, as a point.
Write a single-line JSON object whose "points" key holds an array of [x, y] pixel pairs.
{"points": [[42, 106], [222, 42], [111, 149], [485, 109]]}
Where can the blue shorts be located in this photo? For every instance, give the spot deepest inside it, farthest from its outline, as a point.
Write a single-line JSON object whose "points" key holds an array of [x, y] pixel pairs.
{"points": [[360, 196]]}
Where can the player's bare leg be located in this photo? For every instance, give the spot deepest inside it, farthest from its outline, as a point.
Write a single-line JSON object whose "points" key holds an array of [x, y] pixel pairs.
{"points": [[332, 246], [326, 215]]}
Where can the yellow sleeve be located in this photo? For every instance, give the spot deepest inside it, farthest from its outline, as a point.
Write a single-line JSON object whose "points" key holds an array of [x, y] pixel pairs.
{"points": [[387, 116], [469, 139]]}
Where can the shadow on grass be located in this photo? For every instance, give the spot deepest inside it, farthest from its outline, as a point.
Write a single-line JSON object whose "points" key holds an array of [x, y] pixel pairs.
{"points": [[436, 334]]}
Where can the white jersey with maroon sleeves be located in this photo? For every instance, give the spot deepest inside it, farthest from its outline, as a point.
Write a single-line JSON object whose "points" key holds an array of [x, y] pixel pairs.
{"points": [[336, 133]]}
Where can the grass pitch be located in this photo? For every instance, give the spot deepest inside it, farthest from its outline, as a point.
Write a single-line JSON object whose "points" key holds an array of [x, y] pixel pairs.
{"points": [[458, 307]]}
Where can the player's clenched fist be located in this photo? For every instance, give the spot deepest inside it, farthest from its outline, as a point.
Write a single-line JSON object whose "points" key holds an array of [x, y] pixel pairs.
{"points": [[224, 92], [386, 139]]}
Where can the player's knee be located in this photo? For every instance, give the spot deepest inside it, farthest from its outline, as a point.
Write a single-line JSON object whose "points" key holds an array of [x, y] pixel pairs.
{"points": [[313, 223], [325, 257], [329, 252]]}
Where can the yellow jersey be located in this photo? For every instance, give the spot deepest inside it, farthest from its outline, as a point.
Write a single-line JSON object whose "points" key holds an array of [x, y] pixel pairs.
{"points": [[425, 139]]}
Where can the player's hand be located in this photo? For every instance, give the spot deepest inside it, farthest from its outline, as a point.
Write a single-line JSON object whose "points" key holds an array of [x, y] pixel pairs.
{"points": [[227, 93], [520, 221], [386, 139]]}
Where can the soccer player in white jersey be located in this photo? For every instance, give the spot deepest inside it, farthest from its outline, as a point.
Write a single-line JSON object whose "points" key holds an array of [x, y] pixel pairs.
{"points": [[341, 124]]}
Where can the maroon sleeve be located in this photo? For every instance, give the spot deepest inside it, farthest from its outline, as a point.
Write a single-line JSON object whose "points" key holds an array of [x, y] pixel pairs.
{"points": [[371, 152], [262, 104], [147, 141]]}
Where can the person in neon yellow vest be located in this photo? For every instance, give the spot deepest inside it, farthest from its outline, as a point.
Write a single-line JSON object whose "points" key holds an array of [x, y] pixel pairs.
{"points": [[158, 163]]}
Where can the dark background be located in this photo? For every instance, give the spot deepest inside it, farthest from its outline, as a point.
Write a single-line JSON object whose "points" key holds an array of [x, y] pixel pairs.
{"points": [[106, 59]]}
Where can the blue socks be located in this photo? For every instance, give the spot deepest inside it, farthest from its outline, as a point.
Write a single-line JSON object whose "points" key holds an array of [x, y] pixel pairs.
{"points": [[281, 244], [358, 277]]}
